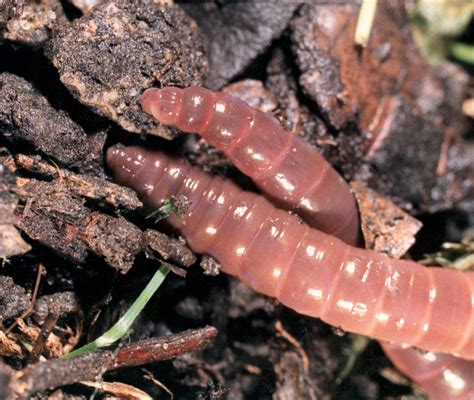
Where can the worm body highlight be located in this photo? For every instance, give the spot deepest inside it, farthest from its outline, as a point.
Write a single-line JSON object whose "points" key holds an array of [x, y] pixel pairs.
{"points": [[287, 169], [260, 147], [309, 271], [443, 376]]}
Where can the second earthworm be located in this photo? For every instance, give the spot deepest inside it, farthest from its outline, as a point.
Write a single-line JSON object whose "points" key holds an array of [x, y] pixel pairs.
{"points": [[286, 168]]}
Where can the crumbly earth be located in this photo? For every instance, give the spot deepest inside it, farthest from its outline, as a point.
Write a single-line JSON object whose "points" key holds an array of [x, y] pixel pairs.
{"points": [[33, 22], [27, 116], [388, 96], [11, 242], [9, 9], [107, 59]]}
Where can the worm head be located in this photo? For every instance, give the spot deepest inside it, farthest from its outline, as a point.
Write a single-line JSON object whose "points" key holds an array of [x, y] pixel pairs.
{"points": [[164, 104]]}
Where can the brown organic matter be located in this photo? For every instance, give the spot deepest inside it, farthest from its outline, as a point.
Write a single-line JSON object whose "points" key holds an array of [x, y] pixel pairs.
{"points": [[11, 242], [57, 218], [388, 92], [386, 228], [27, 116], [89, 366], [108, 58]]}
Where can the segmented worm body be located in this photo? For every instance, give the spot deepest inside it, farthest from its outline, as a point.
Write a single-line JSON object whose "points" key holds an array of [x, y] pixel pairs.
{"points": [[442, 376], [260, 147], [314, 273], [287, 169]]}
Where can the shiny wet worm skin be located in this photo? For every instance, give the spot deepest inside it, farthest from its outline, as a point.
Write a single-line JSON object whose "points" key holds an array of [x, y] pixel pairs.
{"points": [[314, 273]]}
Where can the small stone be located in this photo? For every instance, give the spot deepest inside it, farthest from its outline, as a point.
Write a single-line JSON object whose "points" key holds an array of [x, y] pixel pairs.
{"points": [[210, 265]]}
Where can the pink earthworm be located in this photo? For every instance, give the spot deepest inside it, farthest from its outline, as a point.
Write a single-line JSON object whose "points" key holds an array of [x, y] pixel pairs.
{"points": [[442, 376], [456, 381], [314, 273], [286, 168]]}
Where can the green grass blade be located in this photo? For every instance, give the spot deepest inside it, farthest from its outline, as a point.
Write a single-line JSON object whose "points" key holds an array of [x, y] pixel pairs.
{"points": [[463, 52], [123, 324]]}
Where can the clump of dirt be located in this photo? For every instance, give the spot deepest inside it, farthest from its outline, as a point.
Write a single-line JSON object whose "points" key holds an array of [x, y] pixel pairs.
{"points": [[109, 58], [26, 115]]}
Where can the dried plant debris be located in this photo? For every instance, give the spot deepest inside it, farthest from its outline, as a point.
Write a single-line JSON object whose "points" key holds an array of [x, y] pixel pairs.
{"points": [[55, 214], [59, 372], [237, 32], [27, 116], [24, 338], [458, 256], [386, 228], [385, 90], [11, 242], [34, 23], [108, 58], [43, 335], [92, 188], [173, 250], [59, 220]]}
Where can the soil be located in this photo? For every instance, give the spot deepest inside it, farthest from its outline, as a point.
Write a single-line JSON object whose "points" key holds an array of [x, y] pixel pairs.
{"points": [[76, 249]]}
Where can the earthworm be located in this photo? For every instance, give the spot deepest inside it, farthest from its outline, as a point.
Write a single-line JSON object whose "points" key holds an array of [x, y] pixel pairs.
{"points": [[442, 376], [218, 118], [314, 273], [286, 168]]}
